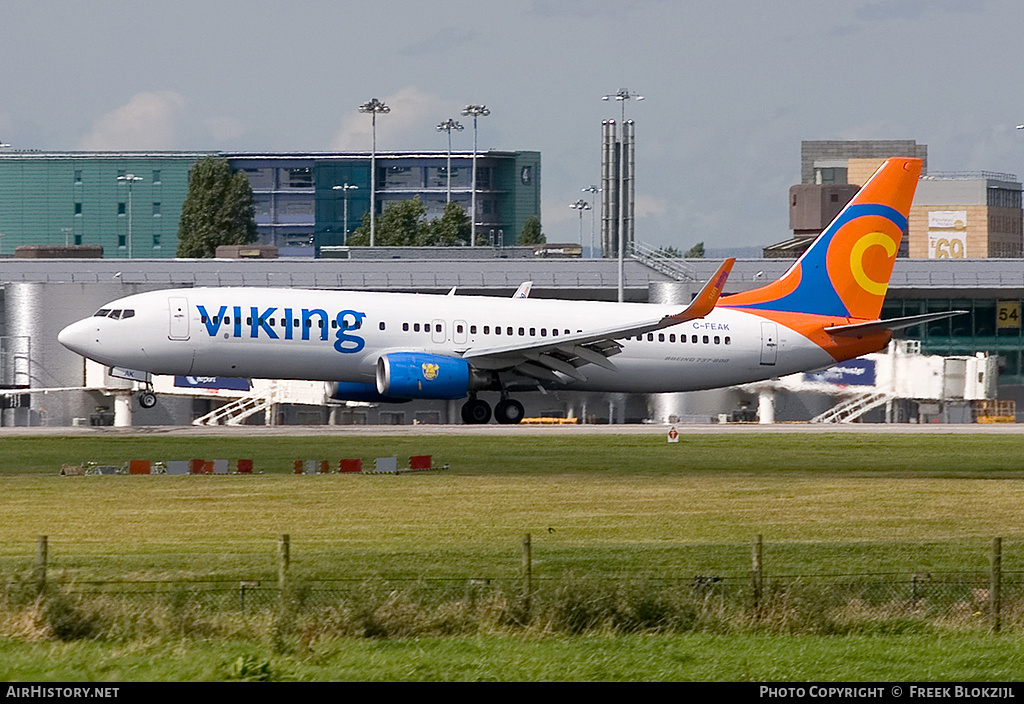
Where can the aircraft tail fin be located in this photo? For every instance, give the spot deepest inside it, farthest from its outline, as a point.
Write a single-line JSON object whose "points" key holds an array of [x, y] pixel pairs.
{"points": [[845, 272]]}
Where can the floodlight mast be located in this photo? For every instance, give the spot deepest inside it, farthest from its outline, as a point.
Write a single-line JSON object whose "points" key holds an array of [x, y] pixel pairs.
{"points": [[374, 107], [129, 180], [580, 205], [474, 111], [344, 190], [622, 96], [593, 191], [447, 126]]}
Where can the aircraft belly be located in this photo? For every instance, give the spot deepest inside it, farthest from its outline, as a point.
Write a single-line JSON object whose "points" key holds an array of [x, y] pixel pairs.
{"points": [[295, 359]]}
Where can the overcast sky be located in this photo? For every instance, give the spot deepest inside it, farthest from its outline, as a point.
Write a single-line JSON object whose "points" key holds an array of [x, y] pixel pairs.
{"points": [[731, 88]]}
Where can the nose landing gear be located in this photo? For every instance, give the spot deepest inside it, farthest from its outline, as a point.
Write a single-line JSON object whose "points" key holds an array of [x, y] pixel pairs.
{"points": [[147, 399]]}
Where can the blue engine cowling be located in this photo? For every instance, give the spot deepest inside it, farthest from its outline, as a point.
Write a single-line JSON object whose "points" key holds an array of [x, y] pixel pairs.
{"points": [[357, 391], [420, 375]]}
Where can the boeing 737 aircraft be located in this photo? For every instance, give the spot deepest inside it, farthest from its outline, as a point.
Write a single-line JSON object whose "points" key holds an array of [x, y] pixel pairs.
{"points": [[396, 347]]}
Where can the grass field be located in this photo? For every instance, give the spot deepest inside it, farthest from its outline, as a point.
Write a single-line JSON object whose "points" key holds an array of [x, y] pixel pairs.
{"points": [[631, 505]]}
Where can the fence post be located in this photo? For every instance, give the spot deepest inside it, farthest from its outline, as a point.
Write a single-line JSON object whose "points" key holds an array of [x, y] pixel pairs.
{"points": [[40, 571], [756, 574], [527, 575], [995, 583], [282, 566]]}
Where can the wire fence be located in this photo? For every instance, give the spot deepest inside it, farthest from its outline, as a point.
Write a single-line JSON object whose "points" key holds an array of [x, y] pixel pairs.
{"points": [[256, 583]]}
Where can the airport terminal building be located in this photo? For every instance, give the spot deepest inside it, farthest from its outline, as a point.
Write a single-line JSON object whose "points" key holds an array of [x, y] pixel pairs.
{"points": [[129, 203]]}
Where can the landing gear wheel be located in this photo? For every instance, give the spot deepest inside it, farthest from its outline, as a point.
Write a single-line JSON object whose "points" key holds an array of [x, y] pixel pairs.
{"points": [[509, 412], [147, 399], [475, 412]]}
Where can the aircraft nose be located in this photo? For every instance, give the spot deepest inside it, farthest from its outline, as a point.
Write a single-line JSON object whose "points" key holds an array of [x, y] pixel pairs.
{"points": [[78, 337]]}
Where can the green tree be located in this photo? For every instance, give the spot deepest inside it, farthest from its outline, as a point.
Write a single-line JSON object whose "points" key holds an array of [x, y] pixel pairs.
{"points": [[531, 232], [218, 209], [695, 252], [452, 228], [404, 224], [669, 252], [398, 226]]}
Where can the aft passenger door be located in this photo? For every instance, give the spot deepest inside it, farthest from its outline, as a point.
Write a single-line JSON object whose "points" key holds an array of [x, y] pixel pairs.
{"points": [[769, 343], [178, 309]]}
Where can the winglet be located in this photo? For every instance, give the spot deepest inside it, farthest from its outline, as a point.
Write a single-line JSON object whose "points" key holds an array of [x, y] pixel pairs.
{"points": [[706, 300], [524, 290]]}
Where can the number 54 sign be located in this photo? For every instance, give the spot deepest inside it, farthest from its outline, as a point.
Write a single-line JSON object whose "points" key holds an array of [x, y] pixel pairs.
{"points": [[1008, 314]]}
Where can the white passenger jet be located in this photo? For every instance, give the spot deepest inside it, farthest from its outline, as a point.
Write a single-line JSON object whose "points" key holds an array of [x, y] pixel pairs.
{"points": [[394, 347]]}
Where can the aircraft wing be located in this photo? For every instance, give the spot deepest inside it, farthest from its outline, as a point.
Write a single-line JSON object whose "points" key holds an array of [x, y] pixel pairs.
{"points": [[566, 353]]}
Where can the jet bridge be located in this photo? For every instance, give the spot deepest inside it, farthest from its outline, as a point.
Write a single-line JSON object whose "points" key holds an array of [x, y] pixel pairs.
{"points": [[892, 379]]}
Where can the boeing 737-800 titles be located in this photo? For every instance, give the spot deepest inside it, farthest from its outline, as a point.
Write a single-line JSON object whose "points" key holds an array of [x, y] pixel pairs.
{"points": [[396, 347]]}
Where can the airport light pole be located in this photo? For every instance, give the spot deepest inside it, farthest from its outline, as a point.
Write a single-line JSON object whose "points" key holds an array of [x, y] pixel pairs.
{"points": [[580, 205], [593, 191], [623, 96], [374, 107], [344, 191], [474, 111], [447, 126], [129, 180]]}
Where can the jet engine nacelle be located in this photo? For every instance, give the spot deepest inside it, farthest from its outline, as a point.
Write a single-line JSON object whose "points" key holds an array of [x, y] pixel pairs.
{"points": [[356, 391], [419, 375]]}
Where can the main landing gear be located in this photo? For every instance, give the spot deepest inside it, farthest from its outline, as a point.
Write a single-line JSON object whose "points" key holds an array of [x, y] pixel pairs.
{"points": [[477, 411]]}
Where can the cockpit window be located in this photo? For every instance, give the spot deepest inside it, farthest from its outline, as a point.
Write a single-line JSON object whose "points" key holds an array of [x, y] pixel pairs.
{"points": [[115, 314]]}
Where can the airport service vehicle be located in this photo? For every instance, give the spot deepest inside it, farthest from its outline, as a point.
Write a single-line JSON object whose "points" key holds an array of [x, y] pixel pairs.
{"points": [[394, 347]]}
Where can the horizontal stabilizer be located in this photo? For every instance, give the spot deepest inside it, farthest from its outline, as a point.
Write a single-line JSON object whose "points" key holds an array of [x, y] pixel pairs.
{"points": [[861, 329]]}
